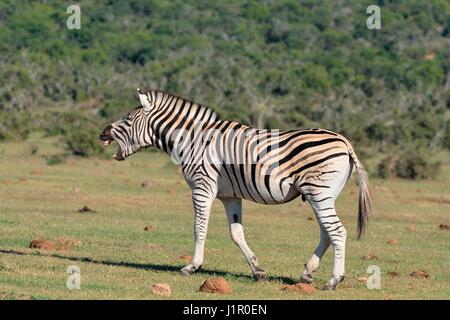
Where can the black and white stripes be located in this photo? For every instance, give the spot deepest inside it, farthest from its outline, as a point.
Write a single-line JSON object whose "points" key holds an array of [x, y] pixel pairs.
{"points": [[231, 161]]}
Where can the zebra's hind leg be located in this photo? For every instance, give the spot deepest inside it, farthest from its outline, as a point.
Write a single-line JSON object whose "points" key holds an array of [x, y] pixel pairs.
{"points": [[331, 227], [312, 265], [233, 208], [338, 236], [321, 194]]}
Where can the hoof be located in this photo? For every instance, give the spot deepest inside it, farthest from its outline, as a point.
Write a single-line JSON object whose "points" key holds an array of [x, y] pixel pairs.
{"points": [[188, 270], [306, 278], [259, 275], [333, 282], [329, 287]]}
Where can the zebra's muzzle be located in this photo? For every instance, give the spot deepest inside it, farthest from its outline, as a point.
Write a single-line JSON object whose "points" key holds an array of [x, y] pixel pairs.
{"points": [[106, 137]]}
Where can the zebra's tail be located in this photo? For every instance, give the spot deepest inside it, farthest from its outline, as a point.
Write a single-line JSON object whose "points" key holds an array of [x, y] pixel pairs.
{"points": [[365, 198]]}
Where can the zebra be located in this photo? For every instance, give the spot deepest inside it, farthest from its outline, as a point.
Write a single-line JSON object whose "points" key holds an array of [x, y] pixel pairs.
{"points": [[231, 161]]}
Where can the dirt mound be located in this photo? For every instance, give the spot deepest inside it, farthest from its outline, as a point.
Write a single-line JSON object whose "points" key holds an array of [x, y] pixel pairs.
{"points": [[215, 285], [420, 274], [8, 296], [300, 287], [394, 274], [60, 244], [370, 256], [410, 228], [161, 289], [439, 200], [185, 258], [153, 246], [147, 184], [310, 219], [148, 228], [392, 241], [444, 227], [362, 279], [86, 209], [42, 244], [66, 244]]}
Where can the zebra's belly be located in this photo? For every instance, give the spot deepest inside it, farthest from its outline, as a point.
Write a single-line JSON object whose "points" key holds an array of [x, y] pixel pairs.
{"points": [[261, 194], [280, 195]]}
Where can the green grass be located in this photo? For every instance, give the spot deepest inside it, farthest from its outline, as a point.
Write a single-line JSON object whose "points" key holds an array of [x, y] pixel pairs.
{"points": [[118, 259]]}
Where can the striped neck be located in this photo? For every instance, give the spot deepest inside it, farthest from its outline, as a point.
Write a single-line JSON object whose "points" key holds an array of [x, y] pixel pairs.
{"points": [[177, 120]]}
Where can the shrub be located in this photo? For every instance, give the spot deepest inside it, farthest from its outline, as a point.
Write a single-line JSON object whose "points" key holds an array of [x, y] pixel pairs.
{"points": [[408, 164], [83, 142], [81, 133], [14, 125], [386, 168], [33, 148], [447, 135], [55, 159]]}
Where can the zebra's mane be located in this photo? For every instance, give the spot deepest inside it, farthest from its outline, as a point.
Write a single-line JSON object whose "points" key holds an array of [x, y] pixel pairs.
{"points": [[188, 102]]}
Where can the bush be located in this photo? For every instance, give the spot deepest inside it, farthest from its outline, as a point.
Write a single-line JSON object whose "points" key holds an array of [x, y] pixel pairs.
{"points": [[14, 125], [409, 164], [33, 148], [386, 168], [447, 135], [80, 132], [55, 159], [83, 142]]}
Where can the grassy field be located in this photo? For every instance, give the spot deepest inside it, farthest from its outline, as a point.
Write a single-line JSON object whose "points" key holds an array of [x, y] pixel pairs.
{"points": [[118, 259]]}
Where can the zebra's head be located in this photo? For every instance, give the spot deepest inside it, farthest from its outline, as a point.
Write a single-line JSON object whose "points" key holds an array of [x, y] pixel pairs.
{"points": [[132, 132]]}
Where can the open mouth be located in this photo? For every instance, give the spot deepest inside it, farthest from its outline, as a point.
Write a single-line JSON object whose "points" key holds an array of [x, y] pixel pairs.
{"points": [[107, 139]]}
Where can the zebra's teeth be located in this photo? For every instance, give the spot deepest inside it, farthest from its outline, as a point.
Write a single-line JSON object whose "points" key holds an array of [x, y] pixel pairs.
{"points": [[106, 143]]}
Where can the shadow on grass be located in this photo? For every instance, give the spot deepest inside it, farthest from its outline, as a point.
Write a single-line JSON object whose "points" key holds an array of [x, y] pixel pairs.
{"points": [[146, 266]]}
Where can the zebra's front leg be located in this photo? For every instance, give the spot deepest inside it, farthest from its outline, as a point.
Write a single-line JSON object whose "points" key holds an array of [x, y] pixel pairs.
{"points": [[202, 207], [233, 209]]}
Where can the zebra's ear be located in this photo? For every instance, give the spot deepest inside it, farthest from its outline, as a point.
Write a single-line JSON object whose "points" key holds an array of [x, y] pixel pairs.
{"points": [[144, 99]]}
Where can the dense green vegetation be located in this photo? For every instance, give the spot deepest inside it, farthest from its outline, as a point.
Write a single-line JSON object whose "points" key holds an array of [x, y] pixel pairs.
{"points": [[276, 64]]}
